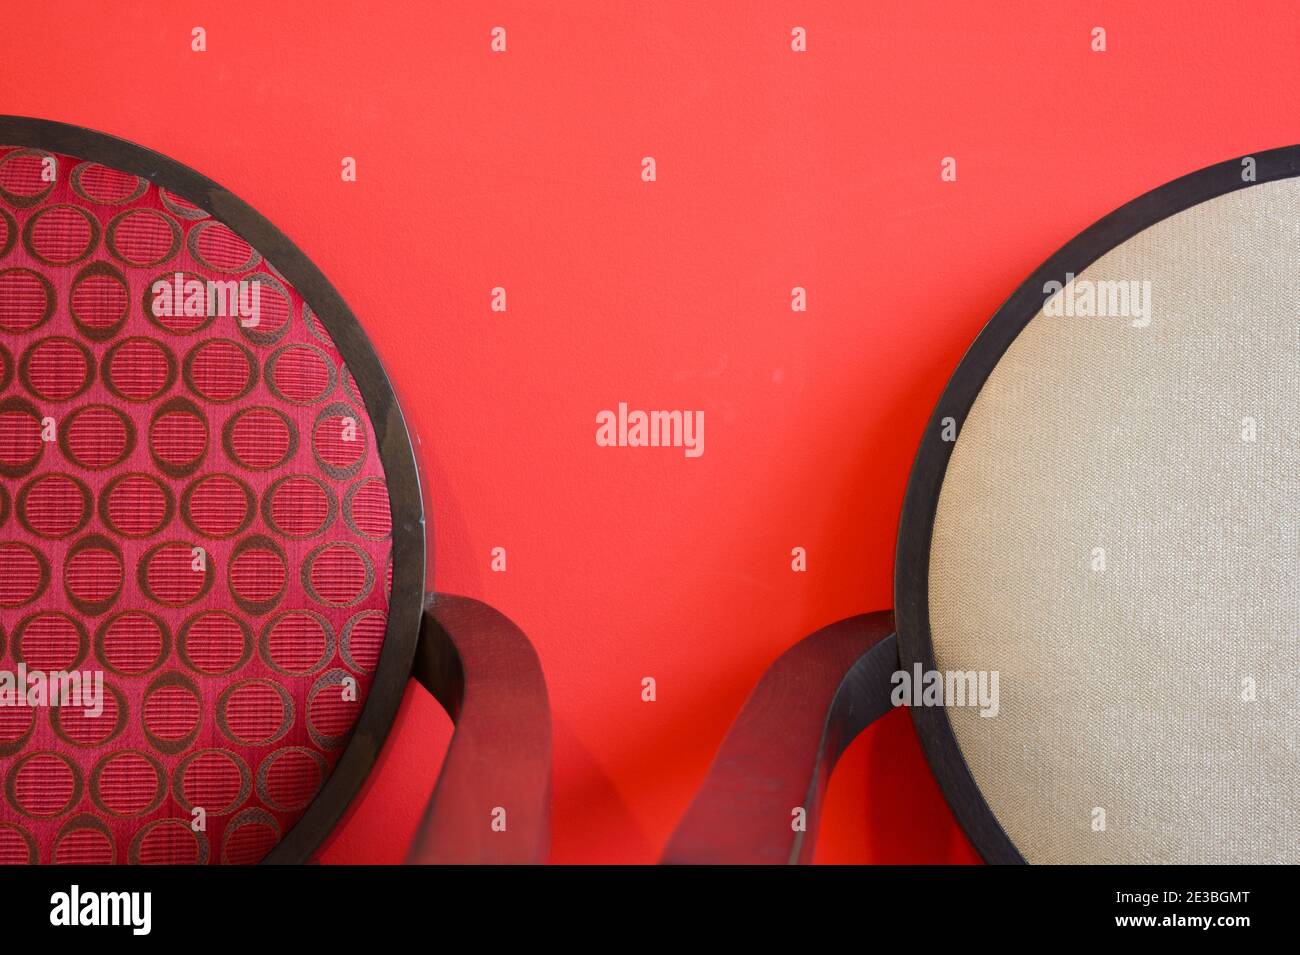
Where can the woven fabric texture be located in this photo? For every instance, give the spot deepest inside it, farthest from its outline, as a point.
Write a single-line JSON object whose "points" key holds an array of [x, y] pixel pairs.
{"points": [[192, 508], [1118, 535]]}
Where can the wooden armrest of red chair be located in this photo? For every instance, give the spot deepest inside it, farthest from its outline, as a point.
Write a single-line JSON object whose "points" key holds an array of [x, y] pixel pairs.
{"points": [[779, 753], [492, 800]]}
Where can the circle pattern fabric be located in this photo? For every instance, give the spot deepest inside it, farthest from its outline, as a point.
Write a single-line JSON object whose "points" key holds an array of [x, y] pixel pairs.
{"points": [[193, 516]]}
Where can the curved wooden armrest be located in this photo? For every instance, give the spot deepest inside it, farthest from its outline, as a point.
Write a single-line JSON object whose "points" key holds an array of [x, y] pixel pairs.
{"points": [[778, 754], [492, 801]]}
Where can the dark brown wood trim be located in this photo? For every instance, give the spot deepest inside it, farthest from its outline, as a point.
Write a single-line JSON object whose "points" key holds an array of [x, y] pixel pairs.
{"points": [[779, 753], [916, 526], [486, 674]]}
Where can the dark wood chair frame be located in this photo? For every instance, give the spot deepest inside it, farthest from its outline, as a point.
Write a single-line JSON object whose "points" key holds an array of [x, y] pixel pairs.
{"points": [[479, 665], [821, 693]]}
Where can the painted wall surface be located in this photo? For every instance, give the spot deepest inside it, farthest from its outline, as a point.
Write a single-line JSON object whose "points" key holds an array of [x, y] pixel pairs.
{"points": [[774, 169]]}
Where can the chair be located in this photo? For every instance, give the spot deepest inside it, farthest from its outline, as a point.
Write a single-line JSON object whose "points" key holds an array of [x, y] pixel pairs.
{"points": [[1098, 540], [212, 541]]}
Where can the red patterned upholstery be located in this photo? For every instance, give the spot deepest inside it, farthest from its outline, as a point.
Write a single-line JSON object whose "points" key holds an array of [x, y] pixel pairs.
{"points": [[128, 441]]}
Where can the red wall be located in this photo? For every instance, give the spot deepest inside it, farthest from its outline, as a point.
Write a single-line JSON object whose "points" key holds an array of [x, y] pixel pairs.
{"points": [[775, 169]]}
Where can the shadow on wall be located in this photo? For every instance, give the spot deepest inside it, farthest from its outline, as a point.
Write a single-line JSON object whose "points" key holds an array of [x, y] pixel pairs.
{"points": [[593, 805]]}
